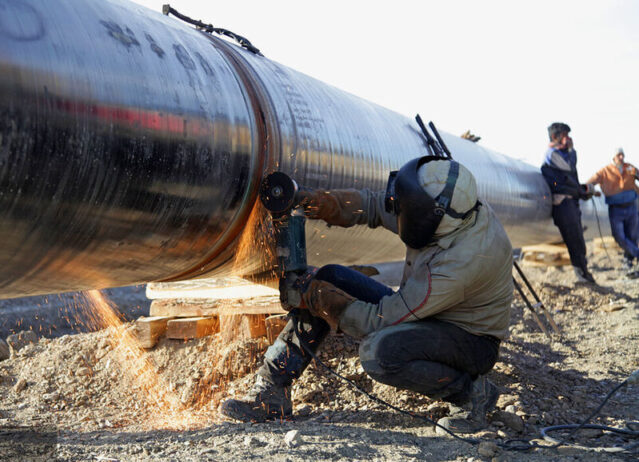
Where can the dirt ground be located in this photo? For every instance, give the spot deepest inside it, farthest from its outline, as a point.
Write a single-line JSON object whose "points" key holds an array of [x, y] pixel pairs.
{"points": [[95, 397]]}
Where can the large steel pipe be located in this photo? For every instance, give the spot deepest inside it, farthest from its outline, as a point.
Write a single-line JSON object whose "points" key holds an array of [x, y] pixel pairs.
{"points": [[132, 145]]}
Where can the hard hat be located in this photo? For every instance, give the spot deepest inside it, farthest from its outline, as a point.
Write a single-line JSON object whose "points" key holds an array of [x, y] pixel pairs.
{"points": [[424, 196], [433, 177]]}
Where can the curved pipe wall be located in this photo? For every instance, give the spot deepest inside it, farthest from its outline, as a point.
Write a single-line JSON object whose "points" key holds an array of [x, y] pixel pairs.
{"points": [[131, 147]]}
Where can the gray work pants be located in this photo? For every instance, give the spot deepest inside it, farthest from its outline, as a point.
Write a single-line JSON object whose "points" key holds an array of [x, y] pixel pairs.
{"points": [[432, 357], [428, 356]]}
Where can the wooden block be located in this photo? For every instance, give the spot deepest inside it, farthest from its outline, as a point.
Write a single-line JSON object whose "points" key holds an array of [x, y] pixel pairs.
{"points": [[255, 325], [607, 242], [216, 288], [188, 328], [274, 325], [149, 330], [242, 326], [186, 308], [546, 255]]}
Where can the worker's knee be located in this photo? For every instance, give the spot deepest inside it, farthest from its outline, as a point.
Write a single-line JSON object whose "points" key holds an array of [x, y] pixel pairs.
{"points": [[379, 354], [330, 273]]}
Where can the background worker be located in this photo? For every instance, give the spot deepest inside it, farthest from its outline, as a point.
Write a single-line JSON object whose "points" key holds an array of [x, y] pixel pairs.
{"points": [[617, 181], [439, 334], [560, 171]]}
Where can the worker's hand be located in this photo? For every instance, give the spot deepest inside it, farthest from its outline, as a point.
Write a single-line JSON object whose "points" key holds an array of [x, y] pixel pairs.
{"points": [[292, 285], [290, 294], [326, 301], [340, 207], [586, 191]]}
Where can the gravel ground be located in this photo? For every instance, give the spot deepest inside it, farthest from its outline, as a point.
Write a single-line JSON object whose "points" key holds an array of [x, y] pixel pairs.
{"points": [[96, 396]]}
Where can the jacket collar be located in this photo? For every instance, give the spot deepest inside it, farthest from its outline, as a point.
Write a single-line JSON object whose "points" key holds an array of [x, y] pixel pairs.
{"points": [[615, 169]]}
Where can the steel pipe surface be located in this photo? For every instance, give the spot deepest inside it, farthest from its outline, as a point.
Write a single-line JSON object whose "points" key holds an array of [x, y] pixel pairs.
{"points": [[132, 147]]}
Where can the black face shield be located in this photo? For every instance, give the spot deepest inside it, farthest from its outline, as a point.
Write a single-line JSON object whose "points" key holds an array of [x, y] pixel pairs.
{"points": [[419, 214]]}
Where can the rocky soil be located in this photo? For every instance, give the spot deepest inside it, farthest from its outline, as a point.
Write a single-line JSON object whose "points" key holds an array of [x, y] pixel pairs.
{"points": [[96, 396]]}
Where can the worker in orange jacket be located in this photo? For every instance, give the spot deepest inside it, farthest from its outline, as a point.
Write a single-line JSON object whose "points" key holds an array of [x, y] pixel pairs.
{"points": [[617, 181]]}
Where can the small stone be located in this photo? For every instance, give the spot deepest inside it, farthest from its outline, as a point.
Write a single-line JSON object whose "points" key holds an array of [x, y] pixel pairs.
{"points": [[20, 385], [47, 397], [505, 400], [5, 351], [569, 450], [251, 441], [187, 395], [323, 417], [532, 419], [292, 438], [487, 435], [512, 421], [83, 371], [304, 411], [487, 449], [590, 432], [547, 418], [21, 339], [511, 408], [438, 409]]}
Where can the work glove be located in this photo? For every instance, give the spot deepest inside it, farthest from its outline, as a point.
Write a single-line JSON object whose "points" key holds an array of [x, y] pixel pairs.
{"points": [[339, 207], [326, 301], [292, 285]]}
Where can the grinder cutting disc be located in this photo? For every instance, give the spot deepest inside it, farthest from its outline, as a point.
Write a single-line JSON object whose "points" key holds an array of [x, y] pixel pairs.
{"points": [[277, 192]]}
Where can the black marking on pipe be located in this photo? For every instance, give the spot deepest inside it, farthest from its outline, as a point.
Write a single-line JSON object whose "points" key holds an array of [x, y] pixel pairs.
{"points": [[126, 37]]}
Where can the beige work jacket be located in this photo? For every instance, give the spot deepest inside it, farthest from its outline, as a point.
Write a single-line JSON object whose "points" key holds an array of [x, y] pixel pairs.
{"points": [[464, 278]]}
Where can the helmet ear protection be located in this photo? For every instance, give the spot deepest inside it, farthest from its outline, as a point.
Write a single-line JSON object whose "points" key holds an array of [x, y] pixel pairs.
{"points": [[419, 214]]}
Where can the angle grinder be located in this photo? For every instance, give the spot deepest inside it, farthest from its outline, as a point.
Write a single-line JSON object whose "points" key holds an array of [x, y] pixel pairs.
{"points": [[282, 197]]}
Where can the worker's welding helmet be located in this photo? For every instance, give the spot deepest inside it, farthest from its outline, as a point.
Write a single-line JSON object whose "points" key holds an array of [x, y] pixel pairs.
{"points": [[426, 194]]}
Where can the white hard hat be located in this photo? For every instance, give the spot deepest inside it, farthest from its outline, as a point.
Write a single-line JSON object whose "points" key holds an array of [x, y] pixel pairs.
{"points": [[433, 175]]}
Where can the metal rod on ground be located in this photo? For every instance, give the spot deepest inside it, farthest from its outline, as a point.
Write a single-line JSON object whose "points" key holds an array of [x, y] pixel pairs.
{"points": [[603, 244], [530, 307], [552, 322]]}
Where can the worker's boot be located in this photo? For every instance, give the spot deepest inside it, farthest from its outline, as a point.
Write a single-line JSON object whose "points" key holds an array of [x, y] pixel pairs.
{"points": [[284, 361], [264, 401], [483, 397], [632, 269], [583, 275], [628, 264]]}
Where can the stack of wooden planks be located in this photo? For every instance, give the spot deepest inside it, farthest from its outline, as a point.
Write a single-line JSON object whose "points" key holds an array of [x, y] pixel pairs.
{"points": [[194, 309], [606, 243], [232, 307], [545, 255]]}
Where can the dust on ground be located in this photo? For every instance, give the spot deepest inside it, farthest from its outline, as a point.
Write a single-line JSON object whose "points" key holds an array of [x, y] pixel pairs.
{"points": [[76, 397]]}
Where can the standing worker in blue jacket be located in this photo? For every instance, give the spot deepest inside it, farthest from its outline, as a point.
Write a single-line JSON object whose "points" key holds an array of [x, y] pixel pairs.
{"points": [[560, 171]]}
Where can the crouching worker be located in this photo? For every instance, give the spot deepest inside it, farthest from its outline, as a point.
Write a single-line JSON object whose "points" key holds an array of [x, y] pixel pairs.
{"points": [[439, 334]]}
